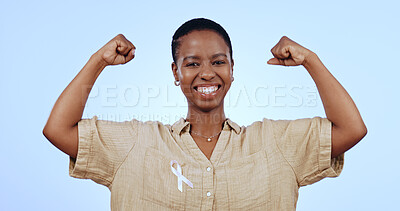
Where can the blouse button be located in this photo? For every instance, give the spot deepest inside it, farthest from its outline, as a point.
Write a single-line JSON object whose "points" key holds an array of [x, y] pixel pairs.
{"points": [[208, 193], [208, 169]]}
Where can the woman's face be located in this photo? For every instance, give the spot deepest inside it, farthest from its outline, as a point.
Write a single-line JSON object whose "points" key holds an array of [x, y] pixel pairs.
{"points": [[204, 69]]}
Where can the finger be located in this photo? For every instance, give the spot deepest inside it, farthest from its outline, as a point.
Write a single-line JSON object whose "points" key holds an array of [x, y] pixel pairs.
{"points": [[281, 49], [274, 50], [123, 47], [281, 52], [130, 55], [284, 52], [130, 44]]}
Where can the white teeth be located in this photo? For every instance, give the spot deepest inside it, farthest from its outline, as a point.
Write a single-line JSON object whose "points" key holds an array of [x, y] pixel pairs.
{"points": [[207, 90]]}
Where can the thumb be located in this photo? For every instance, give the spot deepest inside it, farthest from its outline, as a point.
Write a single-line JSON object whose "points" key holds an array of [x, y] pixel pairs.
{"points": [[274, 61], [283, 62]]}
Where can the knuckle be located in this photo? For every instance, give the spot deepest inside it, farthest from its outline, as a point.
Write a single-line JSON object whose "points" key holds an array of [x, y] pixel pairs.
{"points": [[120, 36]]}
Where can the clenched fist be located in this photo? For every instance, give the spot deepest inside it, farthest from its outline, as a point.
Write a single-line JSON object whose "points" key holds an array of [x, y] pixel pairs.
{"points": [[119, 50], [289, 53]]}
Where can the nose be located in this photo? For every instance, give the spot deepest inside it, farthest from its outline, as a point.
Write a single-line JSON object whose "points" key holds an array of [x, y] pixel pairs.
{"points": [[207, 73]]}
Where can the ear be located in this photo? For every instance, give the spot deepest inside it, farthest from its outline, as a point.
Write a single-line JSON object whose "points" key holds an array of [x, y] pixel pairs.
{"points": [[174, 68]]}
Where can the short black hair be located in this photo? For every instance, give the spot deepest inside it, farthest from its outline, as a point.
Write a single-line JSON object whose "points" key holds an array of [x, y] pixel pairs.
{"points": [[198, 24]]}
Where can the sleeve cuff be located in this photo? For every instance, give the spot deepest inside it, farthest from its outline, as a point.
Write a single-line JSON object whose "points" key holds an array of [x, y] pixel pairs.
{"points": [[327, 167], [78, 166]]}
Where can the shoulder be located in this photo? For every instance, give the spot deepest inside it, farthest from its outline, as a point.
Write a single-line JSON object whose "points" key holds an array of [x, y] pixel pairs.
{"points": [[134, 125], [152, 125], [283, 125]]}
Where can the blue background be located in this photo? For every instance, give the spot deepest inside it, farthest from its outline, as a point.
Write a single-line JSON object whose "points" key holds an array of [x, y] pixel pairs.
{"points": [[45, 43]]}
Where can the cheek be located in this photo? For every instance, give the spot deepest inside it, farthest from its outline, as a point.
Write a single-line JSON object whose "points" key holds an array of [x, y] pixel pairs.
{"points": [[187, 77], [227, 76], [185, 89]]}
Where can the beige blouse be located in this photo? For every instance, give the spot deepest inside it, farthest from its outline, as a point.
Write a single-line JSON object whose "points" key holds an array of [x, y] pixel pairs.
{"points": [[152, 166]]}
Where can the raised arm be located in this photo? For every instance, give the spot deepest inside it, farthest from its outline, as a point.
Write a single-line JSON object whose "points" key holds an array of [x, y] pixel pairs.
{"points": [[61, 128], [348, 127]]}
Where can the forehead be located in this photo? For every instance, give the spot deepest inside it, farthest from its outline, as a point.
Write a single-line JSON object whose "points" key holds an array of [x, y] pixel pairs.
{"points": [[202, 42]]}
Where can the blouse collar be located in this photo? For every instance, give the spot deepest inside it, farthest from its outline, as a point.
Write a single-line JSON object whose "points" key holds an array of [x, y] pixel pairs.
{"points": [[182, 125]]}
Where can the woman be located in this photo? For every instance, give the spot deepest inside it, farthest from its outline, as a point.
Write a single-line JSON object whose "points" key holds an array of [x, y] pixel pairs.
{"points": [[205, 161]]}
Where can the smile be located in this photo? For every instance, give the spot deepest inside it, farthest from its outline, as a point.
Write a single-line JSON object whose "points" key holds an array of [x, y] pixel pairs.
{"points": [[207, 90]]}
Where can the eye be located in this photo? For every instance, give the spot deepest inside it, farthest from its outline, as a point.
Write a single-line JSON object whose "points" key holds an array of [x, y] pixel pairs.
{"points": [[192, 64], [218, 62]]}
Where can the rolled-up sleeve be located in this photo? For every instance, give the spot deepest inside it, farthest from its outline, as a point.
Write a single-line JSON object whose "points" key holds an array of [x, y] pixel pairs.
{"points": [[103, 145], [306, 146]]}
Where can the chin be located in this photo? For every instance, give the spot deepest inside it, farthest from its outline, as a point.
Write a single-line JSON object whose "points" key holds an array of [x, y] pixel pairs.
{"points": [[207, 106]]}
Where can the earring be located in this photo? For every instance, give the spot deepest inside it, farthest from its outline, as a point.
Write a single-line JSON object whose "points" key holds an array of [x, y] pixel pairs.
{"points": [[233, 78], [177, 83]]}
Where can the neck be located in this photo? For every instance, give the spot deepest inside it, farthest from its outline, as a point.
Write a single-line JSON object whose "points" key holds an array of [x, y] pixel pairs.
{"points": [[206, 123]]}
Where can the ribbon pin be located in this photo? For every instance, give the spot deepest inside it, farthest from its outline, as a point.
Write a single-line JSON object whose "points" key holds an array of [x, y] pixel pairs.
{"points": [[178, 173]]}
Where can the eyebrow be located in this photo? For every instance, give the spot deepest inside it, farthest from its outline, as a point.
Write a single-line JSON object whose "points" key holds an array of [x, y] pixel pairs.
{"points": [[213, 56], [191, 57], [218, 55]]}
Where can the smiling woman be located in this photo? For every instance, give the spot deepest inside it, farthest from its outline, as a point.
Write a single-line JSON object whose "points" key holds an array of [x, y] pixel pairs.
{"points": [[204, 69], [205, 161]]}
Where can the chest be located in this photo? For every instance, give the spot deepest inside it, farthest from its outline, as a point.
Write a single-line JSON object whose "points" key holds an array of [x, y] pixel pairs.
{"points": [[248, 181], [205, 146]]}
